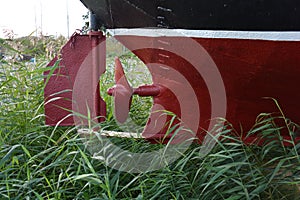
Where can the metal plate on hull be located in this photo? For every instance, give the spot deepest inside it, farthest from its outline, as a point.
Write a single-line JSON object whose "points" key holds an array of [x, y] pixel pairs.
{"points": [[251, 15]]}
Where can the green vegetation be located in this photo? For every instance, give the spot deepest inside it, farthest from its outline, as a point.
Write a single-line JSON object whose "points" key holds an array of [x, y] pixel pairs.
{"points": [[40, 162]]}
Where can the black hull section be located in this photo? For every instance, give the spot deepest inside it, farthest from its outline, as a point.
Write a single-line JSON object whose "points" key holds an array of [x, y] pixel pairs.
{"points": [[244, 15]]}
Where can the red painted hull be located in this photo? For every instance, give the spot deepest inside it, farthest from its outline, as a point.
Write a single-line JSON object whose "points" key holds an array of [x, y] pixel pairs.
{"points": [[234, 79], [253, 71]]}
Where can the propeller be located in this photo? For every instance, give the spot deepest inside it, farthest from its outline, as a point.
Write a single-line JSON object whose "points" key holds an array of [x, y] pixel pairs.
{"points": [[123, 92]]}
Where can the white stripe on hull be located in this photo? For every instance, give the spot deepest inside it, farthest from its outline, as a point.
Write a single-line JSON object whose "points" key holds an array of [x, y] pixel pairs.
{"points": [[252, 35]]}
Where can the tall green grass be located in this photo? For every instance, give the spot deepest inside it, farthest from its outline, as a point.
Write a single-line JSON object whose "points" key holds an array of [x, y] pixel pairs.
{"points": [[40, 162]]}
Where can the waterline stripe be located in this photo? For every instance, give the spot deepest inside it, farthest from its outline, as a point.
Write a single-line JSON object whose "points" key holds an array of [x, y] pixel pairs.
{"points": [[252, 35]]}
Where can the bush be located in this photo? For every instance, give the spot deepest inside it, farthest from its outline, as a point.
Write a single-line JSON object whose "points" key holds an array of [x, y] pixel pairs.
{"points": [[40, 162]]}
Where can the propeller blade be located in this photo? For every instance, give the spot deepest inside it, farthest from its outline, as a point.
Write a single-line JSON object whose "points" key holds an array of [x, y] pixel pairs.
{"points": [[122, 93]]}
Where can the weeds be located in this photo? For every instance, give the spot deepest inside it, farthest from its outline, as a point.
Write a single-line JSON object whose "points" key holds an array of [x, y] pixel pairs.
{"points": [[40, 162]]}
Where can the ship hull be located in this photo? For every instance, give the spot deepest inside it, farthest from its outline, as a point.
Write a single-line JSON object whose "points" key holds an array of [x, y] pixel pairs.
{"points": [[258, 75], [253, 45], [252, 15]]}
